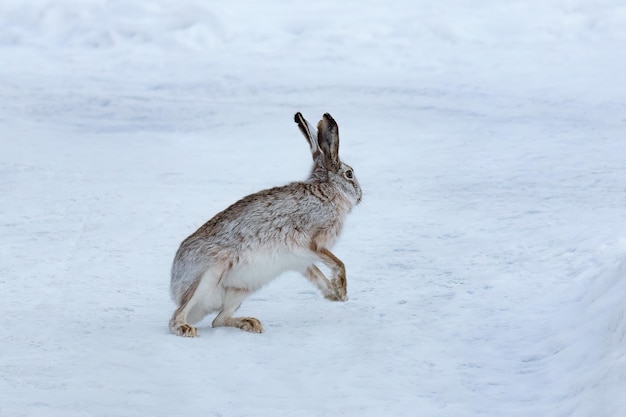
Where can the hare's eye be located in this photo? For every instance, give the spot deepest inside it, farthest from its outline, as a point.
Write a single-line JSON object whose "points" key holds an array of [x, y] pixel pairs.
{"points": [[349, 174]]}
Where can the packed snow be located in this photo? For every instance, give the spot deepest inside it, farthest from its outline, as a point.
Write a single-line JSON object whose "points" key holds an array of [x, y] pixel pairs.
{"points": [[486, 265]]}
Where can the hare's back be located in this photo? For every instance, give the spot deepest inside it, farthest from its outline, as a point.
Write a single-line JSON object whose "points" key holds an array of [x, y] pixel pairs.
{"points": [[270, 215]]}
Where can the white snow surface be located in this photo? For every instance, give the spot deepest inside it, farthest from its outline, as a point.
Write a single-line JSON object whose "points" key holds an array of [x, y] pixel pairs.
{"points": [[486, 265]]}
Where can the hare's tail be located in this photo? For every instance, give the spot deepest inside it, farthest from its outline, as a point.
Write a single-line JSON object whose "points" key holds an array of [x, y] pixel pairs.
{"points": [[186, 273]]}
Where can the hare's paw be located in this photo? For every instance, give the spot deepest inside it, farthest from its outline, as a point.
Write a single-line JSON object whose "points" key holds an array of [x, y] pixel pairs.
{"points": [[249, 324], [339, 287], [333, 297], [185, 330]]}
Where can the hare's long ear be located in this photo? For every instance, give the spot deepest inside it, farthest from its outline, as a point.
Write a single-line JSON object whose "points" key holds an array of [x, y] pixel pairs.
{"points": [[328, 140], [309, 133]]}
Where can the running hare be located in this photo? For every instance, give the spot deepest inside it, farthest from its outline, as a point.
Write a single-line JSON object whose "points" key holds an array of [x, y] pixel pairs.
{"points": [[286, 228]]}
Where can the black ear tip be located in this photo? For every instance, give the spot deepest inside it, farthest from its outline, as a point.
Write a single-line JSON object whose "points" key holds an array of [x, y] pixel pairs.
{"points": [[329, 121]]}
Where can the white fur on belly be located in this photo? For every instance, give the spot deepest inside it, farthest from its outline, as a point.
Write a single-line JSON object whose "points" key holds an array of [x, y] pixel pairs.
{"points": [[259, 269]]}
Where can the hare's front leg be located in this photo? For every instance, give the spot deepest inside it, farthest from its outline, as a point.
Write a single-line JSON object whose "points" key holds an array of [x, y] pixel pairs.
{"points": [[338, 269], [318, 278], [233, 297]]}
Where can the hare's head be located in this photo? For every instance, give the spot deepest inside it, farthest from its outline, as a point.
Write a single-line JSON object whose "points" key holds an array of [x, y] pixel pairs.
{"points": [[324, 143]]}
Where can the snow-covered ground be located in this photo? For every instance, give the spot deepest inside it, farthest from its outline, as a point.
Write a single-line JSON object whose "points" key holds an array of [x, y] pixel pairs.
{"points": [[486, 264]]}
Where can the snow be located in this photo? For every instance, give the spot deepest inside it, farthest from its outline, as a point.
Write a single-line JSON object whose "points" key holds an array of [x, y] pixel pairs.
{"points": [[486, 265]]}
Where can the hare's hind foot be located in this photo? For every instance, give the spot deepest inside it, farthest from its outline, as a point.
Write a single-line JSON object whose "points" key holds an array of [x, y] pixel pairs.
{"points": [[178, 324], [180, 328], [185, 330], [248, 324], [231, 302]]}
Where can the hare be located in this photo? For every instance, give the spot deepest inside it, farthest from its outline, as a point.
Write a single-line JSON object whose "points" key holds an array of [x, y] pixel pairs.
{"points": [[287, 228]]}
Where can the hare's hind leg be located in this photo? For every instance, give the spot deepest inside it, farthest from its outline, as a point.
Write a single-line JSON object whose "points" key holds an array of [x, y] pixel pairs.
{"points": [[233, 297], [178, 322], [191, 304]]}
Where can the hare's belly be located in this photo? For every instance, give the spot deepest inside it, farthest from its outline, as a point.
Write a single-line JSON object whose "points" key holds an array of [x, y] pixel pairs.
{"points": [[258, 270]]}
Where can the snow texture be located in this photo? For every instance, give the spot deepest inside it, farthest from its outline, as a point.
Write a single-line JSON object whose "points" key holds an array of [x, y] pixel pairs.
{"points": [[486, 265]]}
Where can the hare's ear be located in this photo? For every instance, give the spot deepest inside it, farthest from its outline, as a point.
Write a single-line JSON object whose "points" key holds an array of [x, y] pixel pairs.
{"points": [[328, 141], [309, 133]]}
